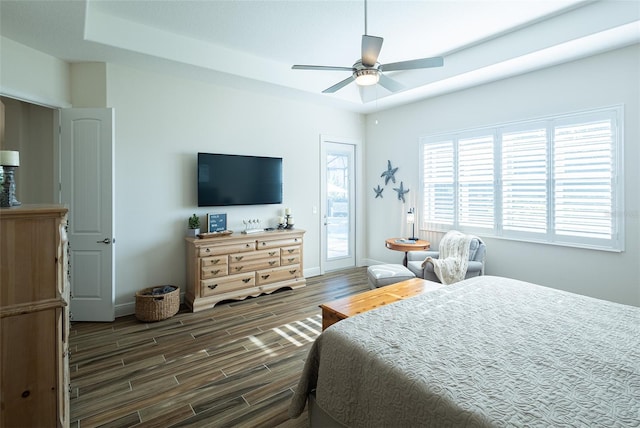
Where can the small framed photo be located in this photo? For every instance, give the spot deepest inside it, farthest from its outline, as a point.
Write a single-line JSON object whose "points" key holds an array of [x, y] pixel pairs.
{"points": [[217, 222]]}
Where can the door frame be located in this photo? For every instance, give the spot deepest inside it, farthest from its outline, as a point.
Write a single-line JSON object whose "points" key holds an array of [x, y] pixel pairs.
{"points": [[358, 198]]}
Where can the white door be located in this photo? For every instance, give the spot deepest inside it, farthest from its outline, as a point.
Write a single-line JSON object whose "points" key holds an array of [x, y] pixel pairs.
{"points": [[337, 187], [86, 171]]}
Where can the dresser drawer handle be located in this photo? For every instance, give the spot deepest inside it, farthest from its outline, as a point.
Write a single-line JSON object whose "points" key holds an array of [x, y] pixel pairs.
{"points": [[215, 272], [264, 244], [216, 261], [272, 253], [290, 259], [247, 246], [271, 263], [295, 240], [265, 276], [290, 251], [292, 271], [245, 280], [238, 258], [212, 287], [207, 250], [239, 268]]}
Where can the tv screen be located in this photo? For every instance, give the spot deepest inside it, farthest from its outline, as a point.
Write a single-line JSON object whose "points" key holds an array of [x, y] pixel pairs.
{"points": [[238, 180]]}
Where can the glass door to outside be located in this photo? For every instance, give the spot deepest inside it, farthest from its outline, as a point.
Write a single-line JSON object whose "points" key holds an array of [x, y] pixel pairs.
{"points": [[338, 212]]}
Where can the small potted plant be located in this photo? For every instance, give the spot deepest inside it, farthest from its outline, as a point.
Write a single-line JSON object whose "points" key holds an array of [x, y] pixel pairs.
{"points": [[194, 226]]}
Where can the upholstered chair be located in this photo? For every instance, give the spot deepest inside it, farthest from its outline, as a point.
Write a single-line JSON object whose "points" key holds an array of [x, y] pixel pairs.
{"points": [[477, 252]]}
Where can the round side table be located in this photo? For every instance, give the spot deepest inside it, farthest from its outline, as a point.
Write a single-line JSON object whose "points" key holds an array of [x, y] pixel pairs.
{"points": [[406, 245]]}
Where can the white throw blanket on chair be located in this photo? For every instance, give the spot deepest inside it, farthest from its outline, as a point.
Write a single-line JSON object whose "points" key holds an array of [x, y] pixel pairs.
{"points": [[451, 266]]}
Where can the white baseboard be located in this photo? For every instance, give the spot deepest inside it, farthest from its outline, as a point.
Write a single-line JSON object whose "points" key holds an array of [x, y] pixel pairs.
{"points": [[308, 273]]}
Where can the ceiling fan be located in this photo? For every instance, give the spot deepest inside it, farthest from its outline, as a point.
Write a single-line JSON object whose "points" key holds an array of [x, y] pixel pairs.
{"points": [[367, 70]]}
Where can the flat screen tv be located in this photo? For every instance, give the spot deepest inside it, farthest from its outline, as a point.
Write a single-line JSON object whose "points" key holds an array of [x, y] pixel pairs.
{"points": [[238, 180]]}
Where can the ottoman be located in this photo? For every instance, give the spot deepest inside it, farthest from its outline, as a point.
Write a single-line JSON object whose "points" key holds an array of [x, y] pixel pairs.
{"points": [[381, 275]]}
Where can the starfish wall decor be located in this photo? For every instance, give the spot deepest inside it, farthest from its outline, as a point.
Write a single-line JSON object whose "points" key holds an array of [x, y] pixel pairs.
{"points": [[389, 174], [401, 192]]}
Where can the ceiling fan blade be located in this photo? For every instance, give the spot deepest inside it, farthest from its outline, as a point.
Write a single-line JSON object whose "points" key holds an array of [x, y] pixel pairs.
{"points": [[321, 67], [339, 85], [437, 61], [371, 46], [390, 84]]}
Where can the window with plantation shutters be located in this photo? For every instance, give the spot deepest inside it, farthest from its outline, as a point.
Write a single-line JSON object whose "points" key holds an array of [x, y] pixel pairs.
{"points": [[524, 181], [554, 180], [438, 178], [583, 185], [475, 182]]}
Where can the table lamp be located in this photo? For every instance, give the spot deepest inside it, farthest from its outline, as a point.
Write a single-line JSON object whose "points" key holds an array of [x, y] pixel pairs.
{"points": [[411, 218], [10, 160]]}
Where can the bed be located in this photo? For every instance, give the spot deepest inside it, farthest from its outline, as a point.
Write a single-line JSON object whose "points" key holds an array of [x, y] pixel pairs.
{"points": [[487, 351]]}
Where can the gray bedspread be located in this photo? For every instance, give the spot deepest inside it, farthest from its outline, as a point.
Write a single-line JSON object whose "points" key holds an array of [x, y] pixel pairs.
{"points": [[487, 351]]}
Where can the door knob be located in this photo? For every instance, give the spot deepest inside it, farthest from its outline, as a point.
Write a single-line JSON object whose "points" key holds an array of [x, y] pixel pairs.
{"points": [[104, 241]]}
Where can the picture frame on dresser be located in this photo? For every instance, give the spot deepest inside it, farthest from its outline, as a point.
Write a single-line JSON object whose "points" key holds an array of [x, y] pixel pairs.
{"points": [[216, 222]]}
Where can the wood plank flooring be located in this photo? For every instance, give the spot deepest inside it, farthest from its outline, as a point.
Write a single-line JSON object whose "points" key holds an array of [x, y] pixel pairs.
{"points": [[234, 365]]}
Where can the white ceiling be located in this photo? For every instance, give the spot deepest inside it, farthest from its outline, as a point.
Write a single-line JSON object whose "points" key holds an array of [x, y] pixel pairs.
{"points": [[252, 44]]}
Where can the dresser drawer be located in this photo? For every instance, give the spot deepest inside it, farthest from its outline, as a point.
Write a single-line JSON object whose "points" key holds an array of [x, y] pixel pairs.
{"points": [[253, 255], [213, 261], [226, 249], [262, 244], [282, 273], [214, 271], [225, 284], [289, 259], [253, 265], [290, 251]]}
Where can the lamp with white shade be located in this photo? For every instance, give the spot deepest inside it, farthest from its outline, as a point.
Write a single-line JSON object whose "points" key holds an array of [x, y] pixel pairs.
{"points": [[10, 160], [411, 219]]}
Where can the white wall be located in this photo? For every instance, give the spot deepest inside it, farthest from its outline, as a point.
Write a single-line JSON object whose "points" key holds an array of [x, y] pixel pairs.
{"points": [[161, 123], [28, 74], [603, 80]]}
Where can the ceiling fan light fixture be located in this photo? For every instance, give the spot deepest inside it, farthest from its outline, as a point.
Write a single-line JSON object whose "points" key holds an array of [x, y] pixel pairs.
{"points": [[367, 77]]}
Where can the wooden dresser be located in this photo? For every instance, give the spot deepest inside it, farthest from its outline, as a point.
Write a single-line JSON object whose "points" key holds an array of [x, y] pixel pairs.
{"points": [[34, 316], [242, 265]]}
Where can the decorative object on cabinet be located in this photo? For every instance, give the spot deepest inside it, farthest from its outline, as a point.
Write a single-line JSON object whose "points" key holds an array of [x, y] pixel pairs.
{"points": [[214, 234], [216, 222], [252, 226], [401, 191], [34, 316], [157, 303], [10, 160], [194, 226], [389, 174], [240, 265]]}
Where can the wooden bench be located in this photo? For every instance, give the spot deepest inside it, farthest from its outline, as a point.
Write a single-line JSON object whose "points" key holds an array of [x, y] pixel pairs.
{"points": [[346, 307]]}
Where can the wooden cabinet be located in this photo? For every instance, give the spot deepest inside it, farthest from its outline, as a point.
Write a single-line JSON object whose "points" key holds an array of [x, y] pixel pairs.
{"points": [[242, 265], [34, 317]]}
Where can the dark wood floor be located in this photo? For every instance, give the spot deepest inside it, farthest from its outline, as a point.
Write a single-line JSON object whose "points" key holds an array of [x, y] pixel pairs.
{"points": [[234, 365]]}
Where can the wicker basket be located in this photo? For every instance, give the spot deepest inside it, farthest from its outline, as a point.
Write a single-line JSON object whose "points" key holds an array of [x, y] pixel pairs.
{"points": [[156, 307]]}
